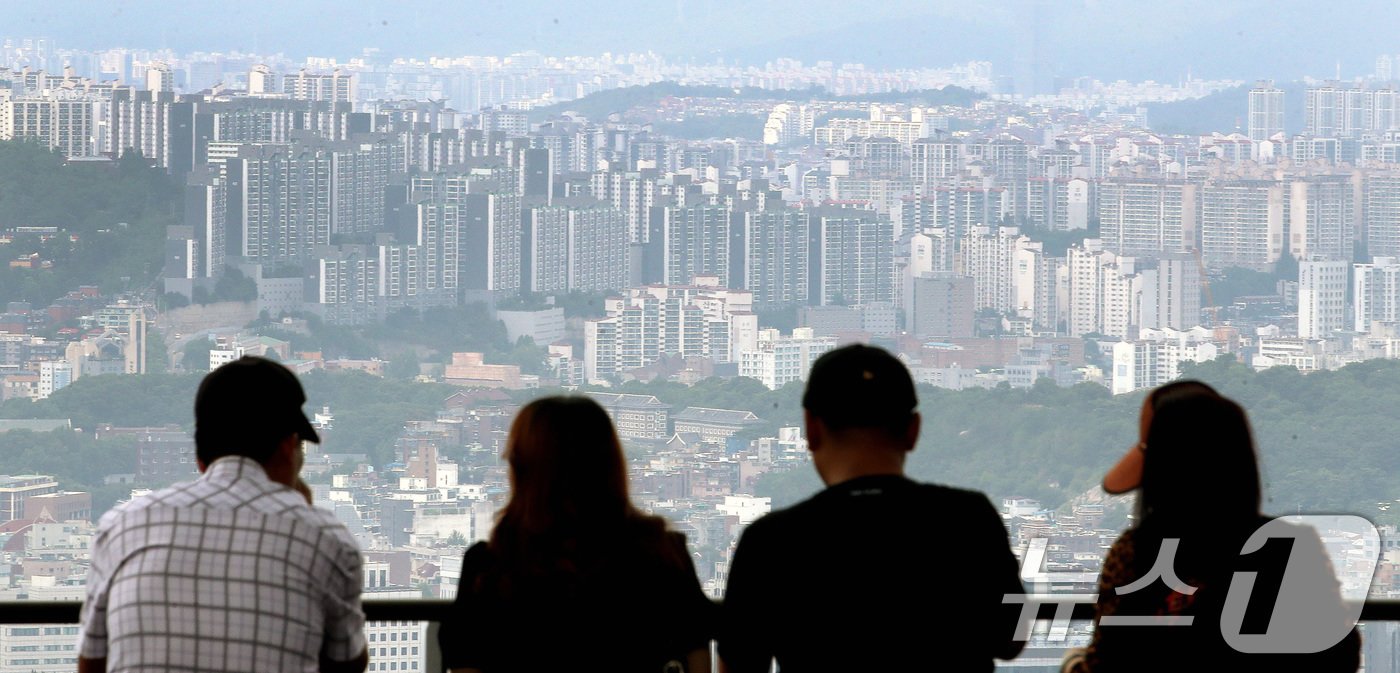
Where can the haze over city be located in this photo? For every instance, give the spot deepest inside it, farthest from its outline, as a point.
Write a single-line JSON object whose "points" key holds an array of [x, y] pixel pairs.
{"points": [[435, 212], [1147, 40]]}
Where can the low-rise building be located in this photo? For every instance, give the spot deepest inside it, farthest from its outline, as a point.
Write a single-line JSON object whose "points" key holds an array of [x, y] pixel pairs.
{"points": [[636, 416], [713, 425], [779, 360]]}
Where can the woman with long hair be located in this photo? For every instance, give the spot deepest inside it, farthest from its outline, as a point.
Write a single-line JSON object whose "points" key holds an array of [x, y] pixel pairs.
{"points": [[1198, 502], [573, 575]]}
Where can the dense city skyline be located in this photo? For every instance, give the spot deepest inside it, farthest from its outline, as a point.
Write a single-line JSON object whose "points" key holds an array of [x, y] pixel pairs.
{"points": [[431, 239]]}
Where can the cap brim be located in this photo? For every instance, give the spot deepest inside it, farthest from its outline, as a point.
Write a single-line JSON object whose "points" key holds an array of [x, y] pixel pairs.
{"points": [[1126, 475], [307, 432]]}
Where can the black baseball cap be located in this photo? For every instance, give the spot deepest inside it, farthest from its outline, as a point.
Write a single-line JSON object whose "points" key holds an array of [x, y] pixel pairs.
{"points": [[251, 395], [860, 386]]}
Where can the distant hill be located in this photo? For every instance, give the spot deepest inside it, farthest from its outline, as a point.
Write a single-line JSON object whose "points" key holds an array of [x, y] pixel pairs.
{"points": [[1224, 111], [599, 105]]}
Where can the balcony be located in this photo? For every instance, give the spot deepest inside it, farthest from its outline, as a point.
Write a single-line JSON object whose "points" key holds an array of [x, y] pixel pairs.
{"points": [[1052, 608]]}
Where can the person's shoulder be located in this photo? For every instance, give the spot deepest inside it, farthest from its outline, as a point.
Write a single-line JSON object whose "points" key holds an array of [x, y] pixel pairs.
{"points": [[778, 520], [673, 539], [174, 495], [477, 558], [322, 524], [478, 552]]}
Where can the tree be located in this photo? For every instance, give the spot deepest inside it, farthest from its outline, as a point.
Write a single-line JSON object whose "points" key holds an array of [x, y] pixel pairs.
{"points": [[404, 365], [1236, 282], [525, 354], [1286, 268], [783, 318], [195, 356], [171, 300], [234, 286], [157, 354]]}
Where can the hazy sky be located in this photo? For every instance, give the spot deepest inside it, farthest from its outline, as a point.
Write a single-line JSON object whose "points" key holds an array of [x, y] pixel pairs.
{"points": [[1132, 39]]}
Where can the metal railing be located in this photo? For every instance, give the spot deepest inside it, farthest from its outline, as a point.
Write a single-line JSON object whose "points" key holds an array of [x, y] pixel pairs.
{"points": [[435, 611]]}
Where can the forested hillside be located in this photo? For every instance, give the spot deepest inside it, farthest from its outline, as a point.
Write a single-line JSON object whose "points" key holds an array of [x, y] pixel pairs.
{"points": [[1328, 441], [111, 219]]}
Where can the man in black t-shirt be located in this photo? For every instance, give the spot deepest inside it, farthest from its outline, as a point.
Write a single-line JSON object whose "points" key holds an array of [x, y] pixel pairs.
{"points": [[877, 572]]}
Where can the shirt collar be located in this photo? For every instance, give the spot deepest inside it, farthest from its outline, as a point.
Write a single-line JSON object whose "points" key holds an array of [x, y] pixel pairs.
{"points": [[229, 469], [874, 484]]}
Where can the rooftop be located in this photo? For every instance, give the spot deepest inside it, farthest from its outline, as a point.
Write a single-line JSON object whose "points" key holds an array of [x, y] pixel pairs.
{"points": [[702, 414]]}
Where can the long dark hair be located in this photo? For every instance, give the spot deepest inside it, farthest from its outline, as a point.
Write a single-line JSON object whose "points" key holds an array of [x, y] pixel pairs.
{"points": [[1199, 468], [568, 507]]}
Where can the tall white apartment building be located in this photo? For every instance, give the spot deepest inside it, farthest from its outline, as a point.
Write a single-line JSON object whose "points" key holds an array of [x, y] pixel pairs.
{"points": [[880, 124], [668, 320], [1376, 292], [1009, 159], [634, 193], [1033, 293], [935, 161], [1059, 204], [788, 123], [288, 198], [989, 257], [973, 203], [1155, 357], [1147, 216], [490, 252], [930, 251], [695, 242], [262, 81], [159, 77], [1323, 216], [1380, 211], [1171, 293], [336, 86], [1242, 223], [1337, 110], [206, 213], [438, 235], [854, 257], [775, 256], [490, 224], [1322, 294], [66, 121], [1105, 291], [1265, 111], [574, 245], [778, 360]]}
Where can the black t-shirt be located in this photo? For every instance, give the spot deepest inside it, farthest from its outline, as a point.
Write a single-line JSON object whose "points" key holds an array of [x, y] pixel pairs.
{"points": [[634, 611], [876, 573]]}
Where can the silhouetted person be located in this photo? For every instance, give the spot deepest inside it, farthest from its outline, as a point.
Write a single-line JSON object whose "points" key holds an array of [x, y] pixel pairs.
{"points": [[877, 572], [234, 571], [574, 577], [1197, 477]]}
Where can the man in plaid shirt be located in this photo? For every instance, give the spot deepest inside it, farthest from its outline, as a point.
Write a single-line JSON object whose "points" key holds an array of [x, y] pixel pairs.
{"points": [[234, 571]]}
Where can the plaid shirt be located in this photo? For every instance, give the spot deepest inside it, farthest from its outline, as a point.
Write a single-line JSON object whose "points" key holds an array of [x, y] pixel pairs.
{"points": [[230, 572]]}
